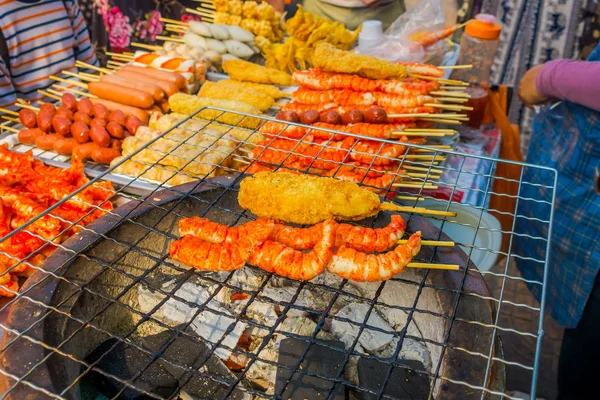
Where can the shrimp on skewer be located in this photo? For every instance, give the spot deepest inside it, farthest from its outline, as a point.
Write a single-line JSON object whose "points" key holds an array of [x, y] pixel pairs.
{"points": [[362, 175], [285, 261], [206, 256], [350, 264]]}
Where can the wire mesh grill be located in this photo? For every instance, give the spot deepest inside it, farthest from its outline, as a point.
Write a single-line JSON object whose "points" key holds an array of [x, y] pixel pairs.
{"points": [[112, 295]]}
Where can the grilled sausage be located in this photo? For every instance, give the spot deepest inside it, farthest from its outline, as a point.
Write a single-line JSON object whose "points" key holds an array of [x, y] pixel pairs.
{"points": [[353, 117], [27, 118], [28, 136], [98, 122], [64, 146], [121, 94], [375, 115], [100, 111], [44, 120], [330, 117], [289, 115], [46, 142], [154, 90], [168, 87], [172, 77], [85, 106], [84, 151], [79, 116], [117, 116], [69, 101], [64, 111], [61, 125], [99, 136], [105, 156], [127, 110], [80, 132], [115, 130], [116, 144], [49, 108], [132, 124], [309, 117]]}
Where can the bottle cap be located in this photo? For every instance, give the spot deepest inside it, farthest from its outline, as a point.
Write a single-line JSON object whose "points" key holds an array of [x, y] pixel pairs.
{"points": [[371, 29], [484, 27]]}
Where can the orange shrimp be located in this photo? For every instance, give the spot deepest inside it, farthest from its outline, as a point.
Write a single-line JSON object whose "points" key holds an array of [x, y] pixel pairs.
{"points": [[426, 39], [307, 96], [379, 131], [357, 266], [423, 69], [206, 256], [367, 152], [319, 80], [285, 261], [300, 108], [361, 176], [393, 100], [25, 209], [281, 129], [8, 284]]}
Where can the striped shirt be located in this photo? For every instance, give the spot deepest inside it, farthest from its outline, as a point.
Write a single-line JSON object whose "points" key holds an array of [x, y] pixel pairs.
{"points": [[43, 37]]}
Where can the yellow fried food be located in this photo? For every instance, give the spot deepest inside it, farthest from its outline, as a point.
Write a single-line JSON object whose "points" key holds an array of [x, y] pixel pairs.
{"points": [[330, 59], [245, 95], [245, 71], [187, 104], [269, 90], [305, 199]]}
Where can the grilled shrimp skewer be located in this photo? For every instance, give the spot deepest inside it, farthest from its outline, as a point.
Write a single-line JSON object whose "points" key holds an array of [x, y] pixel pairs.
{"points": [[350, 264], [285, 261]]}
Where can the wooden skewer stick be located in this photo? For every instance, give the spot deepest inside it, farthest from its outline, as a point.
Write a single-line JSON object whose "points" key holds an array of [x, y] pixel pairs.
{"points": [[394, 207], [430, 170], [423, 176], [449, 107], [442, 121], [27, 106], [175, 28], [450, 94], [448, 267], [72, 90], [410, 198], [9, 128], [465, 66], [170, 39], [174, 21], [78, 84], [459, 88], [437, 243], [108, 53], [11, 119], [47, 94], [89, 76], [423, 157], [9, 112], [208, 5], [415, 185], [122, 58], [146, 46], [441, 80], [92, 67], [199, 12], [114, 64], [396, 135], [83, 78], [452, 99]]}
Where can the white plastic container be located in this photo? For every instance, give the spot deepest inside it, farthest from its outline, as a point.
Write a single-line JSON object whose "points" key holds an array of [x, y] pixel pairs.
{"points": [[370, 34]]}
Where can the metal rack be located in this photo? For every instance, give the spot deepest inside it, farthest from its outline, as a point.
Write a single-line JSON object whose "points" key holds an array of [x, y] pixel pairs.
{"points": [[118, 269]]}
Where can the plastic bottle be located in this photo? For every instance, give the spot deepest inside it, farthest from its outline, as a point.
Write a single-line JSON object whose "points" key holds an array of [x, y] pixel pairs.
{"points": [[478, 47]]}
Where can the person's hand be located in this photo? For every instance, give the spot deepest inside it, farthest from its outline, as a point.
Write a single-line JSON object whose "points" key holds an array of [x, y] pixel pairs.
{"points": [[527, 90]]}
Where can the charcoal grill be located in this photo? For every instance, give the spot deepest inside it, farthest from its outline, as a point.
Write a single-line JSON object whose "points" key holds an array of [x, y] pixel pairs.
{"points": [[81, 315]]}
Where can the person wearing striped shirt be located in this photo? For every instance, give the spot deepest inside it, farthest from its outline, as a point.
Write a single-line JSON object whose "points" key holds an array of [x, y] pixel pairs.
{"points": [[39, 38]]}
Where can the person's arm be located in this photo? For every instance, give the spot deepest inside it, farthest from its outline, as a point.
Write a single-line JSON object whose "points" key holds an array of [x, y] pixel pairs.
{"points": [[83, 48], [574, 81]]}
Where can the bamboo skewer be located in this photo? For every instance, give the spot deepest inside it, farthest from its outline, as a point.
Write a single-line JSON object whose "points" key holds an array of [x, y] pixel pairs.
{"points": [[175, 28], [27, 106], [146, 46], [414, 186], [47, 94], [450, 94], [452, 99], [72, 90], [448, 267], [410, 198], [170, 39], [174, 21], [441, 80], [88, 76], [202, 13], [423, 157], [459, 88], [11, 119], [436, 130], [442, 121], [421, 210], [9, 128], [449, 107], [115, 65], [9, 112], [425, 169], [78, 84], [438, 243], [93, 67], [464, 66], [84, 78]]}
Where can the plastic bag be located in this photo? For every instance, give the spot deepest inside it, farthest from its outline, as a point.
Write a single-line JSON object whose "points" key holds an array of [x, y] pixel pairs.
{"points": [[425, 16], [395, 50]]}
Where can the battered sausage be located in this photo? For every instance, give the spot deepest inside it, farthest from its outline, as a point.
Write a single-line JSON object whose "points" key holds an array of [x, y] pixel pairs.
{"points": [[64, 146], [84, 151], [132, 124], [172, 77], [309, 117], [353, 117], [69, 101], [85, 106], [115, 130], [99, 136], [157, 93], [127, 110], [289, 115], [47, 107], [375, 115], [100, 111], [79, 116], [46, 142], [98, 122], [121, 94], [80, 132], [44, 120], [330, 117], [61, 125], [168, 87], [27, 118], [117, 116], [64, 111], [28, 136], [105, 156]]}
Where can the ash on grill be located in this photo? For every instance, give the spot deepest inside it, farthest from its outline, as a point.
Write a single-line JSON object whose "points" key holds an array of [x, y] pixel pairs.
{"points": [[221, 308]]}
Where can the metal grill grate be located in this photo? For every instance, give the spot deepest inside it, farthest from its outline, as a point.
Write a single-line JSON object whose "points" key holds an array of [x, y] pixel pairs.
{"points": [[112, 293]]}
